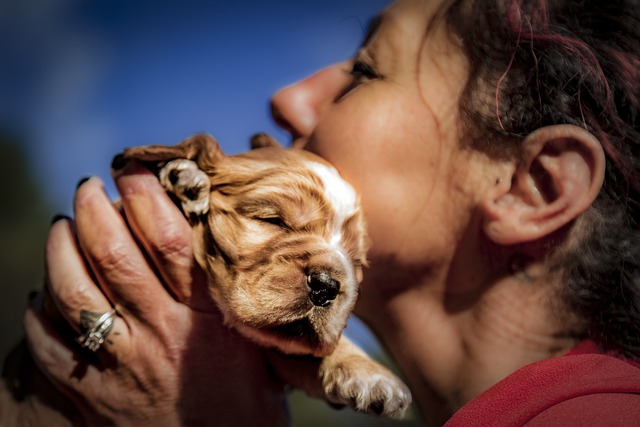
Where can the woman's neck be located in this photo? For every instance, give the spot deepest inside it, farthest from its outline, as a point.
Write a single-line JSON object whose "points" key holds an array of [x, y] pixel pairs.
{"points": [[452, 346]]}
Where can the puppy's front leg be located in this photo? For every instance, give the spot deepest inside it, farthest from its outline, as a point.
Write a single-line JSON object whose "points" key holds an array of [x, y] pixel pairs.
{"points": [[352, 378], [347, 377]]}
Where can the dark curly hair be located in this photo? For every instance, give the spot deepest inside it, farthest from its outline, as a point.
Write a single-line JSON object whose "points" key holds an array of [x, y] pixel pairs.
{"points": [[535, 63]]}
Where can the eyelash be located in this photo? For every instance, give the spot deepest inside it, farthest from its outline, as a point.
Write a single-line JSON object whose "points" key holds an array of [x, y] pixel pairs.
{"points": [[274, 220], [359, 72]]}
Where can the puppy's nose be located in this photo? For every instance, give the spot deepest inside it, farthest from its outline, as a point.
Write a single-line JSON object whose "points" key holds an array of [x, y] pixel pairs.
{"points": [[323, 288]]}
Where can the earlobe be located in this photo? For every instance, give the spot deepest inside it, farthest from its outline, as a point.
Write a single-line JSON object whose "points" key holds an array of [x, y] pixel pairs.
{"points": [[558, 176]]}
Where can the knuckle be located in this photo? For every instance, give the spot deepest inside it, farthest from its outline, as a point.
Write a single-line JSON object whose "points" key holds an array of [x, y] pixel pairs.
{"points": [[174, 242], [73, 296], [112, 255]]}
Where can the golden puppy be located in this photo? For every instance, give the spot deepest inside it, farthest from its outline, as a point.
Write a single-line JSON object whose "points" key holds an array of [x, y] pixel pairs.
{"points": [[282, 238]]}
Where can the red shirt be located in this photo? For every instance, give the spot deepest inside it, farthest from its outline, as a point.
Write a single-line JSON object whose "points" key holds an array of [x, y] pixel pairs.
{"points": [[582, 388]]}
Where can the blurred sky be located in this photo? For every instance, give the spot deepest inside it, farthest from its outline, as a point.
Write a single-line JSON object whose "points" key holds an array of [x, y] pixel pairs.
{"points": [[82, 79]]}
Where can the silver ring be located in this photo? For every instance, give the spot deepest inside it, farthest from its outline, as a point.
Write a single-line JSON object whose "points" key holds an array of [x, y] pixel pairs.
{"points": [[93, 338]]}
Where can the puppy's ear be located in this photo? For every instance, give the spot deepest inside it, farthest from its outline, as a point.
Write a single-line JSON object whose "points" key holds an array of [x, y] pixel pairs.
{"points": [[559, 175], [201, 148], [262, 140]]}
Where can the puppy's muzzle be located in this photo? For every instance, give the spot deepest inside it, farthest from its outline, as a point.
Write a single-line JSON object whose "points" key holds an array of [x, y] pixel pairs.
{"points": [[323, 288]]}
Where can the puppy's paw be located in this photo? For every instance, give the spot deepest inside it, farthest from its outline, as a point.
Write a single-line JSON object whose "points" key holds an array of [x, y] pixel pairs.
{"points": [[366, 386], [190, 185]]}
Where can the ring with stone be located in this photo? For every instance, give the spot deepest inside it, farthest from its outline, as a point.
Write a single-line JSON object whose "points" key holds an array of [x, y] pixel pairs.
{"points": [[97, 332]]}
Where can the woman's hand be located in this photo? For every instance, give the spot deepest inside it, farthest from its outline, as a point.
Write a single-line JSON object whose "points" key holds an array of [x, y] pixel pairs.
{"points": [[168, 360]]}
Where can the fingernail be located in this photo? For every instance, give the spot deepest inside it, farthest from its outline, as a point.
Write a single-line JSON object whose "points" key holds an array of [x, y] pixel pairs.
{"points": [[58, 217], [118, 162], [33, 294], [82, 181]]}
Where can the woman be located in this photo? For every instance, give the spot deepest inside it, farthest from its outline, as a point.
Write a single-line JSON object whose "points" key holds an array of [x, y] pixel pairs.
{"points": [[496, 149]]}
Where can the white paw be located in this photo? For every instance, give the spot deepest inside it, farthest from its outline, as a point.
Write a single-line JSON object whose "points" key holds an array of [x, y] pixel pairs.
{"points": [[191, 185], [367, 387]]}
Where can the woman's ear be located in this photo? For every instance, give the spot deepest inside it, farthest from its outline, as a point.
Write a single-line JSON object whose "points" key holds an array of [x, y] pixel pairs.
{"points": [[558, 176]]}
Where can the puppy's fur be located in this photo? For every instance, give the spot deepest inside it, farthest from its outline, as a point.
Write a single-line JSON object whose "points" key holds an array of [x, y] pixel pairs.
{"points": [[282, 239]]}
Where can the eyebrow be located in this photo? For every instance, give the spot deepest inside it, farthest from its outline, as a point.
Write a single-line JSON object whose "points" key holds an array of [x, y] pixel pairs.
{"points": [[372, 27]]}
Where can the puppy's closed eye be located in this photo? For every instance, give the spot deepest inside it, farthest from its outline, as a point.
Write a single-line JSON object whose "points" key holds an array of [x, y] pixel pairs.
{"points": [[274, 220], [264, 211]]}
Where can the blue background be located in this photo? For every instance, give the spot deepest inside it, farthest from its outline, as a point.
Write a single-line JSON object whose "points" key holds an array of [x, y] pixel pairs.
{"points": [[82, 79]]}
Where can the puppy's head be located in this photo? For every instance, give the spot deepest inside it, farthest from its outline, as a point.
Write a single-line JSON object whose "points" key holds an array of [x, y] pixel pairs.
{"points": [[284, 242]]}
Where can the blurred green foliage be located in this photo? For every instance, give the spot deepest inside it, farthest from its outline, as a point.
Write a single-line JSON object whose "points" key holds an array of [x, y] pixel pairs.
{"points": [[307, 412], [24, 220]]}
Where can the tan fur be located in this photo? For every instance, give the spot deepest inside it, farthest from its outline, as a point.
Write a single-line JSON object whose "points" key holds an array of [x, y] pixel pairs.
{"points": [[261, 230]]}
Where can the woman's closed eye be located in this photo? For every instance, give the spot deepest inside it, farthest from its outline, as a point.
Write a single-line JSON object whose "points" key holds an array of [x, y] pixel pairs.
{"points": [[360, 72], [363, 71]]}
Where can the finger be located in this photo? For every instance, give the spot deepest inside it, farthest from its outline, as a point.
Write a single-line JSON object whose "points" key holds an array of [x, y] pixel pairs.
{"points": [[78, 376], [116, 260], [70, 286], [165, 233], [58, 359]]}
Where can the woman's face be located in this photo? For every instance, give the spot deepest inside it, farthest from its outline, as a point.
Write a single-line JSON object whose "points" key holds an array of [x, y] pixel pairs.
{"points": [[388, 120]]}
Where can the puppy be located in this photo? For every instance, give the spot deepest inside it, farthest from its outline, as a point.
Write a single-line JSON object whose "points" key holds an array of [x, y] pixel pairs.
{"points": [[282, 238]]}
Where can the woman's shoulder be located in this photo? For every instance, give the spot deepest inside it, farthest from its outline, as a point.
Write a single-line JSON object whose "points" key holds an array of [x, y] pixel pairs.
{"points": [[583, 387]]}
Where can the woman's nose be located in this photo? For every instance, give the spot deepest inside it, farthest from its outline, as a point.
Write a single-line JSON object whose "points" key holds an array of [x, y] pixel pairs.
{"points": [[298, 107]]}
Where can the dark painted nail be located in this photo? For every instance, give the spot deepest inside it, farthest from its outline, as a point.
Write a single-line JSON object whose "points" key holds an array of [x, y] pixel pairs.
{"points": [[33, 294], [118, 162], [58, 217], [82, 181]]}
